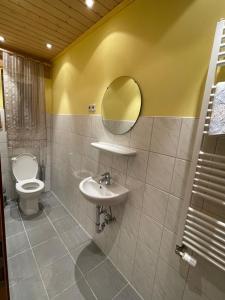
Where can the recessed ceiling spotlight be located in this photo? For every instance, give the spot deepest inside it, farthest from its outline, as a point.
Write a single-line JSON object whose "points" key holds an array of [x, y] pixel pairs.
{"points": [[2, 39], [89, 3], [49, 46]]}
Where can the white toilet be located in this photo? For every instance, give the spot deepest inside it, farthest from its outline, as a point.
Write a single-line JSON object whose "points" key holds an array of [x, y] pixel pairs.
{"points": [[25, 171]]}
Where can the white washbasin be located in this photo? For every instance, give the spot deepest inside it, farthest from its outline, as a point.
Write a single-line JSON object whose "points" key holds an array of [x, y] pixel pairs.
{"points": [[102, 194]]}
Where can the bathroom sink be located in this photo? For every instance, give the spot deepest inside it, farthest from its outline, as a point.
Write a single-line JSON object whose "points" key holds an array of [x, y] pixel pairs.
{"points": [[101, 194]]}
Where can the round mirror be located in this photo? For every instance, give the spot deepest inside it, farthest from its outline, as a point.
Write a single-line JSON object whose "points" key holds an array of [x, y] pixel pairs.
{"points": [[121, 105]]}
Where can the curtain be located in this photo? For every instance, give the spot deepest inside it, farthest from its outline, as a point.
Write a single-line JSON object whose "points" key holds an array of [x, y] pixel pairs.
{"points": [[24, 100]]}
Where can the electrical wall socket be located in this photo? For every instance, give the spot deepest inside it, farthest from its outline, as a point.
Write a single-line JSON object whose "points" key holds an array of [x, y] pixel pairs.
{"points": [[92, 108]]}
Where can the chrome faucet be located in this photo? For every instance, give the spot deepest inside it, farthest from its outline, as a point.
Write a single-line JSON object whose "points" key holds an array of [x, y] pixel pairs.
{"points": [[106, 178]]}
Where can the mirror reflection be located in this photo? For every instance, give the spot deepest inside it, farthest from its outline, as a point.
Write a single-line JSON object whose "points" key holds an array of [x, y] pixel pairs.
{"points": [[121, 105]]}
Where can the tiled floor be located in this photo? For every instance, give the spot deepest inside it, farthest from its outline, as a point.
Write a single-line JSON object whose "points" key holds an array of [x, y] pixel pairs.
{"points": [[51, 257]]}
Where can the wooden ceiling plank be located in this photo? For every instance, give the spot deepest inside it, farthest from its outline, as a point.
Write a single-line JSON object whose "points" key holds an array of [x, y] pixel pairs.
{"points": [[21, 46], [84, 19], [108, 4], [35, 19], [44, 14], [11, 32], [57, 14], [36, 26], [27, 29], [78, 6], [28, 25], [19, 52], [97, 7]]}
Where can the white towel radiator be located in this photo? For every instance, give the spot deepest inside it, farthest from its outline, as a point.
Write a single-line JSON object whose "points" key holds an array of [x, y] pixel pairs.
{"points": [[202, 226]]}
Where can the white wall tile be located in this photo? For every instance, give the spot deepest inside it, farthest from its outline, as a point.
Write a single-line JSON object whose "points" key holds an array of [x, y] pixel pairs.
{"points": [[144, 270], [136, 192], [119, 163], [137, 165], [187, 138], [122, 139], [89, 167], [105, 158], [160, 171], [150, 233], [155, 203], [89, 150], [180, 176], [165, 135], [85, 126], [118, 176], [131, 219], [127, 242], [125, 264], [169, 284], [141, 133], [167, 252], [173, 213], [100, 132]]}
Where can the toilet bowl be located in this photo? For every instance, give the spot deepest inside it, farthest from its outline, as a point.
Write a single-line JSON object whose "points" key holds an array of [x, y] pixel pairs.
{"points": [[28, 187]]}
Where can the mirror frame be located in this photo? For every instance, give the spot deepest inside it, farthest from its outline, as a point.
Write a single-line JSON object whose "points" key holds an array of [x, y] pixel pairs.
{"points": [[139, 113]]}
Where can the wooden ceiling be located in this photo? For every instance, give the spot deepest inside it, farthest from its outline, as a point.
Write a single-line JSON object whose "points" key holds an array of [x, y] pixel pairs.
{"points": [[27, 25]]}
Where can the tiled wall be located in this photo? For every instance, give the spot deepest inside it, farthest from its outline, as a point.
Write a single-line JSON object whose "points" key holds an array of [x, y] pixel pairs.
{"points": [[7, 177], [142, 241]]}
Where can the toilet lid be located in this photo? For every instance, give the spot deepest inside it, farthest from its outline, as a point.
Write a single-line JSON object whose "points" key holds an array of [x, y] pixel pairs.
{"points": [[24, 166]]}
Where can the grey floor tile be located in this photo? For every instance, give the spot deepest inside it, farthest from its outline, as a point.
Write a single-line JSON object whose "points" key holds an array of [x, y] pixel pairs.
{"points": [[105, 281], [79, 291], [28, 289], [11, 213], [60, 275], [127, 294], [17, 243], [34, 221], [41, 233], [56, 213], [87, 256], [21, 266], [48, 252], [74, 238], [13, 227], [65, 224], [49, 200], [45, 195]]}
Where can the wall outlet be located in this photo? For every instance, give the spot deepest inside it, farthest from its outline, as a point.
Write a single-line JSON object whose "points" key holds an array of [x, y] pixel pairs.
{"points": [[92, 108]]}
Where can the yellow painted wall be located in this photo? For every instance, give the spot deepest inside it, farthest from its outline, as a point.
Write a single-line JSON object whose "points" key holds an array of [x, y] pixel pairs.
{"points": [[165, 45]]}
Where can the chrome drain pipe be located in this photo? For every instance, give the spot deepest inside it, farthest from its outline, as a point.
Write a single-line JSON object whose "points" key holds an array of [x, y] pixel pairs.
{"points": [[106, 215]]}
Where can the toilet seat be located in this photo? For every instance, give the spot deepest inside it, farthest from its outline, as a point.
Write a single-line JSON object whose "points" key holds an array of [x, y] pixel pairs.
{"points": [[25, 170], [30, 186]]}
